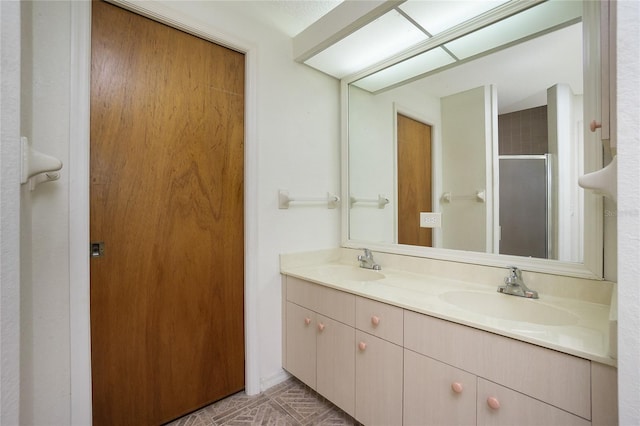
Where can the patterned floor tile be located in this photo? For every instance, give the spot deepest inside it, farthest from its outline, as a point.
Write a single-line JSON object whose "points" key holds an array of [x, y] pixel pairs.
{"points": [[302, 403], [290, 403], [193, 419], [232, 404], [334, 417], [267, 413]]}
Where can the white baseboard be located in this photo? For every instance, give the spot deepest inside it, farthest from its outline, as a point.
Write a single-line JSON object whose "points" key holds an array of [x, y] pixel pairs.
{"points": [[268, 382]]}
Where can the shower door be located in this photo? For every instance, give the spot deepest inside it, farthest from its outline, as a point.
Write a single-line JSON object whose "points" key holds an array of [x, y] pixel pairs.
{"points": [[526, 222]]}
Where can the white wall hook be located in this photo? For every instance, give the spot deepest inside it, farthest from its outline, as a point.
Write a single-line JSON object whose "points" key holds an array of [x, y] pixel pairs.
{"points": [[35, 163], [43, 177], [603, 181]]}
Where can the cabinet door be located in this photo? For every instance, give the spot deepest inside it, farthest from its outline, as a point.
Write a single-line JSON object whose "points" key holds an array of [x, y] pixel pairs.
{"points": [[436, 393], [301, 343], [378, 381], [499, 406], [336, 363]]}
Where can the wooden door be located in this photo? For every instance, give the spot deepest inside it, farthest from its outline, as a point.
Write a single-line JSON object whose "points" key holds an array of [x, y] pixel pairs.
{"points": [[167, 323], [414, 180]]}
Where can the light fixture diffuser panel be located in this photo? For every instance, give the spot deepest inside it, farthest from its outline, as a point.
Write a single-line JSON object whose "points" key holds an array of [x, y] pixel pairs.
{"points": [[381, 39]]}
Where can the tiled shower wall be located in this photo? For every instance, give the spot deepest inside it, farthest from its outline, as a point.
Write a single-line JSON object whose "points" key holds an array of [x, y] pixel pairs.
{"points": [[523, 132]]}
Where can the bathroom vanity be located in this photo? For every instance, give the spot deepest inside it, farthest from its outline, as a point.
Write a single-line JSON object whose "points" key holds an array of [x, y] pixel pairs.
{"points": [[400, 346]]}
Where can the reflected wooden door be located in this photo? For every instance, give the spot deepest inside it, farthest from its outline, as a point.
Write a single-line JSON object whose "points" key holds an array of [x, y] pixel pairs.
{"points": [[167, 132], [414, 180]]}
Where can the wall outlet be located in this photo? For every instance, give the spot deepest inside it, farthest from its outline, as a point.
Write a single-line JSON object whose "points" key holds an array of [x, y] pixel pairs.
{"points": [[430, 220]]}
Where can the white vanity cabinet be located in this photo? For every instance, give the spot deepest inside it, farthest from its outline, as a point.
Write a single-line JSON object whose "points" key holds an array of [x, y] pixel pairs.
{"points": [[386, 365], [516, 382], [501, 406], [436, 393], [301, 351], [379, 368], [320, 340]]}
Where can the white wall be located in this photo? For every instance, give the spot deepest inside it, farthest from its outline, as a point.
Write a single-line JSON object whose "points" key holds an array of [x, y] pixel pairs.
{"points": [[628, 129], [297, 128], [45, 364], [9, 212]]}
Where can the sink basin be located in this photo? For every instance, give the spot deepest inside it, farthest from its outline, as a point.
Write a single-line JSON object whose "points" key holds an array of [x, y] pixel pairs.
{"points": [[509, 307], [348, 273]]}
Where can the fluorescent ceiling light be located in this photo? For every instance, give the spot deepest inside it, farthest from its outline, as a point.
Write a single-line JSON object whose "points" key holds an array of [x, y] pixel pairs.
{"points": [[379, 40]]}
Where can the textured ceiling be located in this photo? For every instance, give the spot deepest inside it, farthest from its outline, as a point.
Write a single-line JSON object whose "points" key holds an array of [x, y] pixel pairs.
{"points": [[291, 16]]}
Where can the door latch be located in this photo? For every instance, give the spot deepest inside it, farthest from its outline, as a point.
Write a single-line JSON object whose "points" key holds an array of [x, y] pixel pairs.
{"points": [[97, 249]]}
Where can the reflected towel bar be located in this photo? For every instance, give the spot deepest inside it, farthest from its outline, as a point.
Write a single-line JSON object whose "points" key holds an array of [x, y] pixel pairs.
{"points": [[479, 196], [381, 201], [284, 199]]}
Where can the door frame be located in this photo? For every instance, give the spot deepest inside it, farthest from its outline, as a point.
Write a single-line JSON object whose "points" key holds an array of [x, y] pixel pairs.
{"points": [[79, 315]]}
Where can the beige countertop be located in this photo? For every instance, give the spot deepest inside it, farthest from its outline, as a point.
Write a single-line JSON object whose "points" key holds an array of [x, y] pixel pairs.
{"points": [[572, 326]]}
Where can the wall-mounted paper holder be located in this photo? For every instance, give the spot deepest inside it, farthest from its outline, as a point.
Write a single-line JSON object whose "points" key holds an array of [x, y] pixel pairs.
{"points": [[284, 199], [36, 166]]}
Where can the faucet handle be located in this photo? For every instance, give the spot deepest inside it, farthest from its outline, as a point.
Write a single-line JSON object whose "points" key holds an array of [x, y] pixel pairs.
{"points": [[515, 275]]}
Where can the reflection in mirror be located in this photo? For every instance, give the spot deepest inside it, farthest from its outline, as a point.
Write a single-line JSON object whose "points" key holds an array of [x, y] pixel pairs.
{"points": [[492, 147]]}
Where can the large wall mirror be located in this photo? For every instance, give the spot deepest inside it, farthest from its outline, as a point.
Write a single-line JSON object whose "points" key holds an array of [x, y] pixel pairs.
{"points": [[471, 149]]}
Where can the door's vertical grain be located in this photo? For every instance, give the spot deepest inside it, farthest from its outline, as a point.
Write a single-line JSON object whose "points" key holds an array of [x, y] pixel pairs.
{"points": [[414, 180], [167, 133]]}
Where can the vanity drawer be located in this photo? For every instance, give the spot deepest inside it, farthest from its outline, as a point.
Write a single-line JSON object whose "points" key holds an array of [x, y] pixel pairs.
{"points": [[326, 301], [558, 379], [509, 408], [380, 319]]}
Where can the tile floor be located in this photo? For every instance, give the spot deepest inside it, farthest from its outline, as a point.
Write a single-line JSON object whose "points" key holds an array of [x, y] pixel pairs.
{"points": [[288, 403]]}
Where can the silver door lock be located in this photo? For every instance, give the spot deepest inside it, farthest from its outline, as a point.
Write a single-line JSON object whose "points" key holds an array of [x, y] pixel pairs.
{"points": [[97, 249]]}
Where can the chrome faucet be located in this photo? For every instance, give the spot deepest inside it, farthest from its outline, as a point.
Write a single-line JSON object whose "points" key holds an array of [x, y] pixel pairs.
{"points": [[514, 285], [366, 261]]}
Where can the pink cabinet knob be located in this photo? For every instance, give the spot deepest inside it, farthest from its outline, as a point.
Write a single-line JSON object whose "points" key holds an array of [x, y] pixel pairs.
{"points": [[375, 320], [362, 346], [456, 387], [594, 125], [307, 321], [493, 402], [320, 326]]}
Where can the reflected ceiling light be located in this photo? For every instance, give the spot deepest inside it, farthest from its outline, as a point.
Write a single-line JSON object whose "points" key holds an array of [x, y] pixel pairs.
{"points": [[418, 65], [530, 22], [418, 37], [439, 15]]}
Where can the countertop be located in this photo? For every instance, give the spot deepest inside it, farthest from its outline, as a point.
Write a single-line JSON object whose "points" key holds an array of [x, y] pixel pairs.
{"points": [[587, 335]]}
